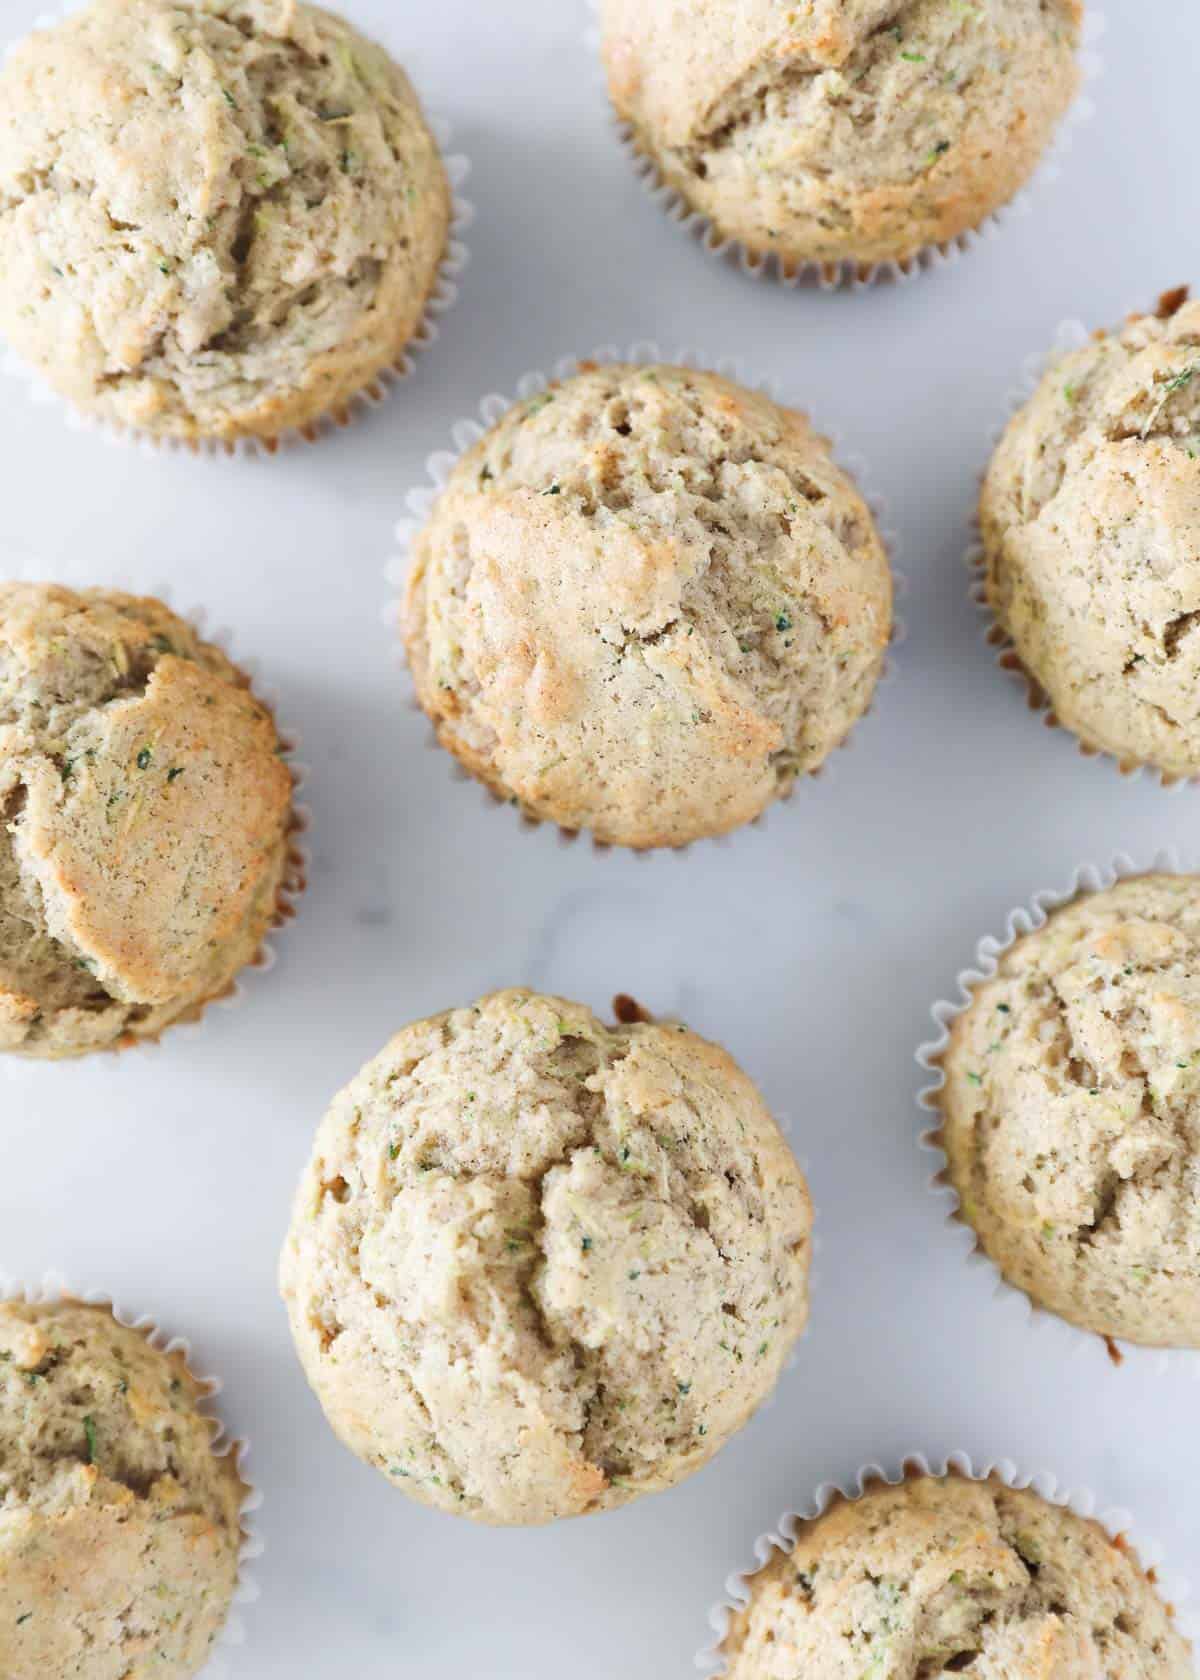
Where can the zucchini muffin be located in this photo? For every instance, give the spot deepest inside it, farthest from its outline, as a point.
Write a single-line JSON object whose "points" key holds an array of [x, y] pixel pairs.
{"points": [[144, 820], [857, 131], [1091, 529], [218, 218], [645, 602], [120, 1527], [1071, 1112], [539, 1266], [939, 1576]]}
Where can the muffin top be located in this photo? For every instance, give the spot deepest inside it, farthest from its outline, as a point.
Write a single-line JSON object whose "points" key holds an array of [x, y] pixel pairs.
{"points": [[1072, 1111], [1091, 525], [539, 1266], [217, 217], [837, 130], [119, 1526], [143, 819], [645, 602], [937, 1576]]}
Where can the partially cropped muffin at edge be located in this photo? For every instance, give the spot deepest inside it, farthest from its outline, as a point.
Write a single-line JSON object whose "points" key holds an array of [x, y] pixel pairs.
{"points": [[1071, 1112], [539, 1266], [942, 1575], [120, 1527], [144, 819], [645, 602], [1091, 529], [218, 218], [837, 131]]}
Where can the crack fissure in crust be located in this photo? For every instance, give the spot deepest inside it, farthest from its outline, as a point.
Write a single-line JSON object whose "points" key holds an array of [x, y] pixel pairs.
{"points": [[60, 708], [635, 640], [559, 1343], [455, 1475], [89, 1450], [126, 682], [590, 1363], [90, 996], [1179, 627], [256, 198], [1040, 1572], [748, 655], [743, 109], [1160, 426], [1035, 1603], [1105, 1211], [1073, 1068]]}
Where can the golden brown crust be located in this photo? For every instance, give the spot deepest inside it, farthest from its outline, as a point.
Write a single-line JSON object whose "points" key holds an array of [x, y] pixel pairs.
{"points": [[858, 132], [645, 602], [944, 1574], [1071, 1119], [539, 1267], [259, 246], [1090, 517], [147, 820], [120, 1527]]}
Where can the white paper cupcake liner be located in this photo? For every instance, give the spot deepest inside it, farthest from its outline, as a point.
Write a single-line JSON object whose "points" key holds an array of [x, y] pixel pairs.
{"points": [[442, 297], [233, 1635], [1068, 337], [1022, 921], [28, 1069], [1117, 1524], [467, 432], [848, 275]]}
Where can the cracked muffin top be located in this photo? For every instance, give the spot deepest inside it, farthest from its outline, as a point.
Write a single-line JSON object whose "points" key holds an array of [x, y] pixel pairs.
{"points": [[144, 815], [843, 130], [645, 602], [1091, 526], [941, 1576], [1071, 1111], [539, 1266], [218, 218], [119, 1525]]}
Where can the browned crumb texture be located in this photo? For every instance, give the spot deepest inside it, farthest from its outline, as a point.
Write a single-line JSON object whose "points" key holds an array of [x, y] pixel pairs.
{"points": [[1090, 517], [145, 820], [119, 1526], [216, 222], [645, 603], [539, 1266], [1071, 1110], [856, 131], [942, 1576]]}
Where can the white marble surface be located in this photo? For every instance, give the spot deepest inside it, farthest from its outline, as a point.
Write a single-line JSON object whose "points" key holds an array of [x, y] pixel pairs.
{"points": [[812, 946]]}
